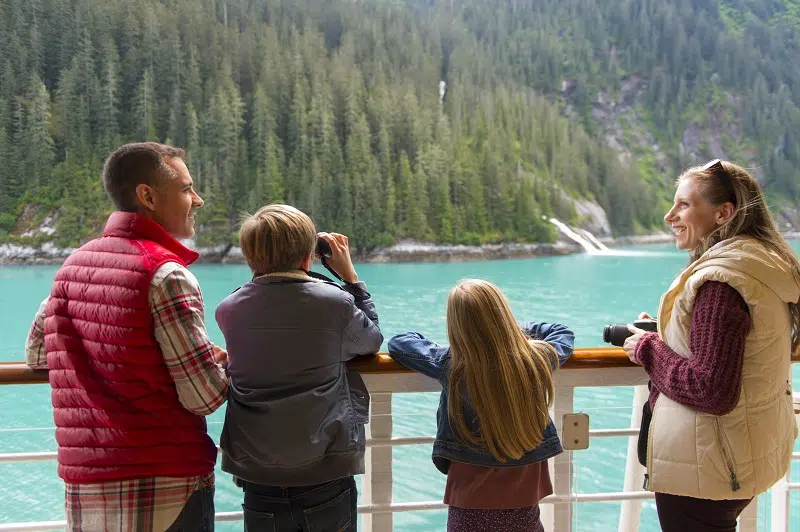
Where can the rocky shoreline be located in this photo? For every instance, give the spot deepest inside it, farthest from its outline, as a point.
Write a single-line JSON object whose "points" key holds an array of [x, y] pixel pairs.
{"points": [[403, 251]]}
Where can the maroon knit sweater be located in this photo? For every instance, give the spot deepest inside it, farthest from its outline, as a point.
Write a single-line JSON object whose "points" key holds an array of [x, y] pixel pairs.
{"points": [[711, 379]]}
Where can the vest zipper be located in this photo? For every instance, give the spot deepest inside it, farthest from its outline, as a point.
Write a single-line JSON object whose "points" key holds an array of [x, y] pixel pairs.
{"points": [[649, 455], [727, 453]]}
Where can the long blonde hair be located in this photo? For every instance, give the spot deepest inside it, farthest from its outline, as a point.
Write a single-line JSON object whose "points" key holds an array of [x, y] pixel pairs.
{"points": [[729, 182], [505, 377]]}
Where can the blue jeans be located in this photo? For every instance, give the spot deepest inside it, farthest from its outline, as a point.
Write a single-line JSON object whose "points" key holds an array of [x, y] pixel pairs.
{"points": [[328, 507], [198, 513]]}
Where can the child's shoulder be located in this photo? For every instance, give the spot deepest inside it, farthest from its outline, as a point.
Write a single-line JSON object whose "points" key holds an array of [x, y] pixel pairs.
{"points": [[328, 291]]}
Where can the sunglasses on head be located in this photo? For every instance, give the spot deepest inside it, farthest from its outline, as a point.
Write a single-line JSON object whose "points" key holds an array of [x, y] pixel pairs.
{"points": [[715, 166]]}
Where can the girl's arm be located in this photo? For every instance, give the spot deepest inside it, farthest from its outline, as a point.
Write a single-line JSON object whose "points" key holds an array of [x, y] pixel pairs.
{"points": [[559, 336], [414, 351]]}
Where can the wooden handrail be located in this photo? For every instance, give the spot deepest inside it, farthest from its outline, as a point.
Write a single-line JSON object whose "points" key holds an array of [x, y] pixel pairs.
{"points": [[582, 358], [587, 358]]}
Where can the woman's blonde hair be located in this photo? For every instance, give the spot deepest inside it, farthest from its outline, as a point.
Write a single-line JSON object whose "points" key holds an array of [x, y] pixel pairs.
{"points": [[722, 181], [505, 377], [277, 238]]}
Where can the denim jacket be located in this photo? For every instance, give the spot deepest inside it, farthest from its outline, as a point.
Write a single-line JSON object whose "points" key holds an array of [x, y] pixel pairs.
{"points": [[416, 352]]}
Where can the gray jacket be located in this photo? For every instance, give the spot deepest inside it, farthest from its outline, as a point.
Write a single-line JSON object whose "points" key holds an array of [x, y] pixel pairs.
{"points": [[295, 414]]}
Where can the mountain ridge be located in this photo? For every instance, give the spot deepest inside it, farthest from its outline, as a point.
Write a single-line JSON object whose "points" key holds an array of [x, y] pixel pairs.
{"points": [[337, 109]]}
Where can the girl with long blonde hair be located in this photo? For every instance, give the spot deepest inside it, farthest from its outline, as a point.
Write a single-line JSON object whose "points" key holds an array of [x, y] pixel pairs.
{"points": [[494, 434]]}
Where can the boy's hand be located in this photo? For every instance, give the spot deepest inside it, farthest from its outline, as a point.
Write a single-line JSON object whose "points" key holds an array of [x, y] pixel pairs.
{"points": [[340, 260], [220, 356]]}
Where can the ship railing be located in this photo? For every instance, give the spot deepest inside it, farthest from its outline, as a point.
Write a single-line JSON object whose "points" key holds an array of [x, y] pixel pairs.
{"points": [[588, 367]]}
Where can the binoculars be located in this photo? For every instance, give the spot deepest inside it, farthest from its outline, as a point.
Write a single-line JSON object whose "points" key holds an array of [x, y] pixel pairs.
{"points": [[617, 333], [323, 249]]}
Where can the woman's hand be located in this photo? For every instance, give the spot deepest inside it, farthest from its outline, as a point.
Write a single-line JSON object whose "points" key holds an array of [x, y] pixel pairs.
{"points": [[632, 341]]}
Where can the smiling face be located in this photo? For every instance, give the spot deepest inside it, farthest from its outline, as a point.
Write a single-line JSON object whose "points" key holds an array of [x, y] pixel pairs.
{"points": [[692, 217], [172, 203]]}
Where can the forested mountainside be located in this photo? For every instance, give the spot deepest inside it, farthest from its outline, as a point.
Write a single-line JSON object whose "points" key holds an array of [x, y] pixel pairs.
{"points": [[447, 121]]}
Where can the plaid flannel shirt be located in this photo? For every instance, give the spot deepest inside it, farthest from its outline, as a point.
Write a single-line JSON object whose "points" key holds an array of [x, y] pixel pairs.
{"points": [[152, 504]]}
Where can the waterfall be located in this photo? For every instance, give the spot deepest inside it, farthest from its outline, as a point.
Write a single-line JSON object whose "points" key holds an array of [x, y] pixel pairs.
{"points": [[589, 236], [592, 246], [564, 228], [442, 91]]}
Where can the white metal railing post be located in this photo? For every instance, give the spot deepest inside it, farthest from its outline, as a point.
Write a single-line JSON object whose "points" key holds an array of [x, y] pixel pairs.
{"points": [[748, 520], [780, 493], [377, 481], [630, 511], [780, 505], [546, 515], [562, 464]]}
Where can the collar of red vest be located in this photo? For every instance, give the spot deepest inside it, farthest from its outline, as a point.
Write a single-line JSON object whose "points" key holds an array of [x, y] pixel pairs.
{"points": [[133, 225]]}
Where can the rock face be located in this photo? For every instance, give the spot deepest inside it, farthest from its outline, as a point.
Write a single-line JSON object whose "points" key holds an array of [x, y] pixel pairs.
{"points": [[46, 254], [404, 251], [592, 217], [713, 131], [788, 219], [620, 118], [47, 227], [410, 251]]}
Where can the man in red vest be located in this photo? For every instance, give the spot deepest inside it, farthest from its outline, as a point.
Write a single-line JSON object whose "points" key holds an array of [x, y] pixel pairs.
{"points": [[132, 370]]}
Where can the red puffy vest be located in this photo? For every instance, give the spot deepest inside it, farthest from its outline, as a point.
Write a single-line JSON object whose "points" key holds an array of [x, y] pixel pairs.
{"points": [[117, 412]]}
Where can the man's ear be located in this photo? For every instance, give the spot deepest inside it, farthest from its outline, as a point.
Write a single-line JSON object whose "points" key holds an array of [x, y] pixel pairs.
{"points": [[145, 196], [306, 264], [724, 213]]}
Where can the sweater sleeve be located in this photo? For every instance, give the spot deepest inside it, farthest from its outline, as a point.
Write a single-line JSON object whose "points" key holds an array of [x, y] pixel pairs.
{"points": [[711, 379]]}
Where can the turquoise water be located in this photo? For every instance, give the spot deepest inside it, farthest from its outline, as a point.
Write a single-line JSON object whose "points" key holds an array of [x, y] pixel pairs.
{"points": [[585, 292]]}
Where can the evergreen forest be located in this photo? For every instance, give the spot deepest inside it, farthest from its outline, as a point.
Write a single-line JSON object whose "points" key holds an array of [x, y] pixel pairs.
{"points": [[448, 121]]}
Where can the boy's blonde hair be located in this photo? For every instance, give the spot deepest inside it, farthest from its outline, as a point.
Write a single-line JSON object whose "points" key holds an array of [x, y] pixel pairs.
{"points": [[505, 377], [276, 239]]}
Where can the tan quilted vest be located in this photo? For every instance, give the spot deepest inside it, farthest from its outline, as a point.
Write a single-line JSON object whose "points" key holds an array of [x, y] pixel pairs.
{"points": [[743, 453]]}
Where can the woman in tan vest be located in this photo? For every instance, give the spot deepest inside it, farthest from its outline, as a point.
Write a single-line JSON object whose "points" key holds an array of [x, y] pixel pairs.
{"points": [[723, 424]]}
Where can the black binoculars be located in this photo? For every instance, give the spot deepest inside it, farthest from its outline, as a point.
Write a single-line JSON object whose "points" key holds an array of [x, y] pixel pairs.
{"points": [[617, 333], [323, 249]]}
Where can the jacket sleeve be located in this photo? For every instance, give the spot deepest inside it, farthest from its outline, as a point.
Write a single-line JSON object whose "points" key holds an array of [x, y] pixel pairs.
{"points": [[414, 351], [362, 336], [559, 336]]}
